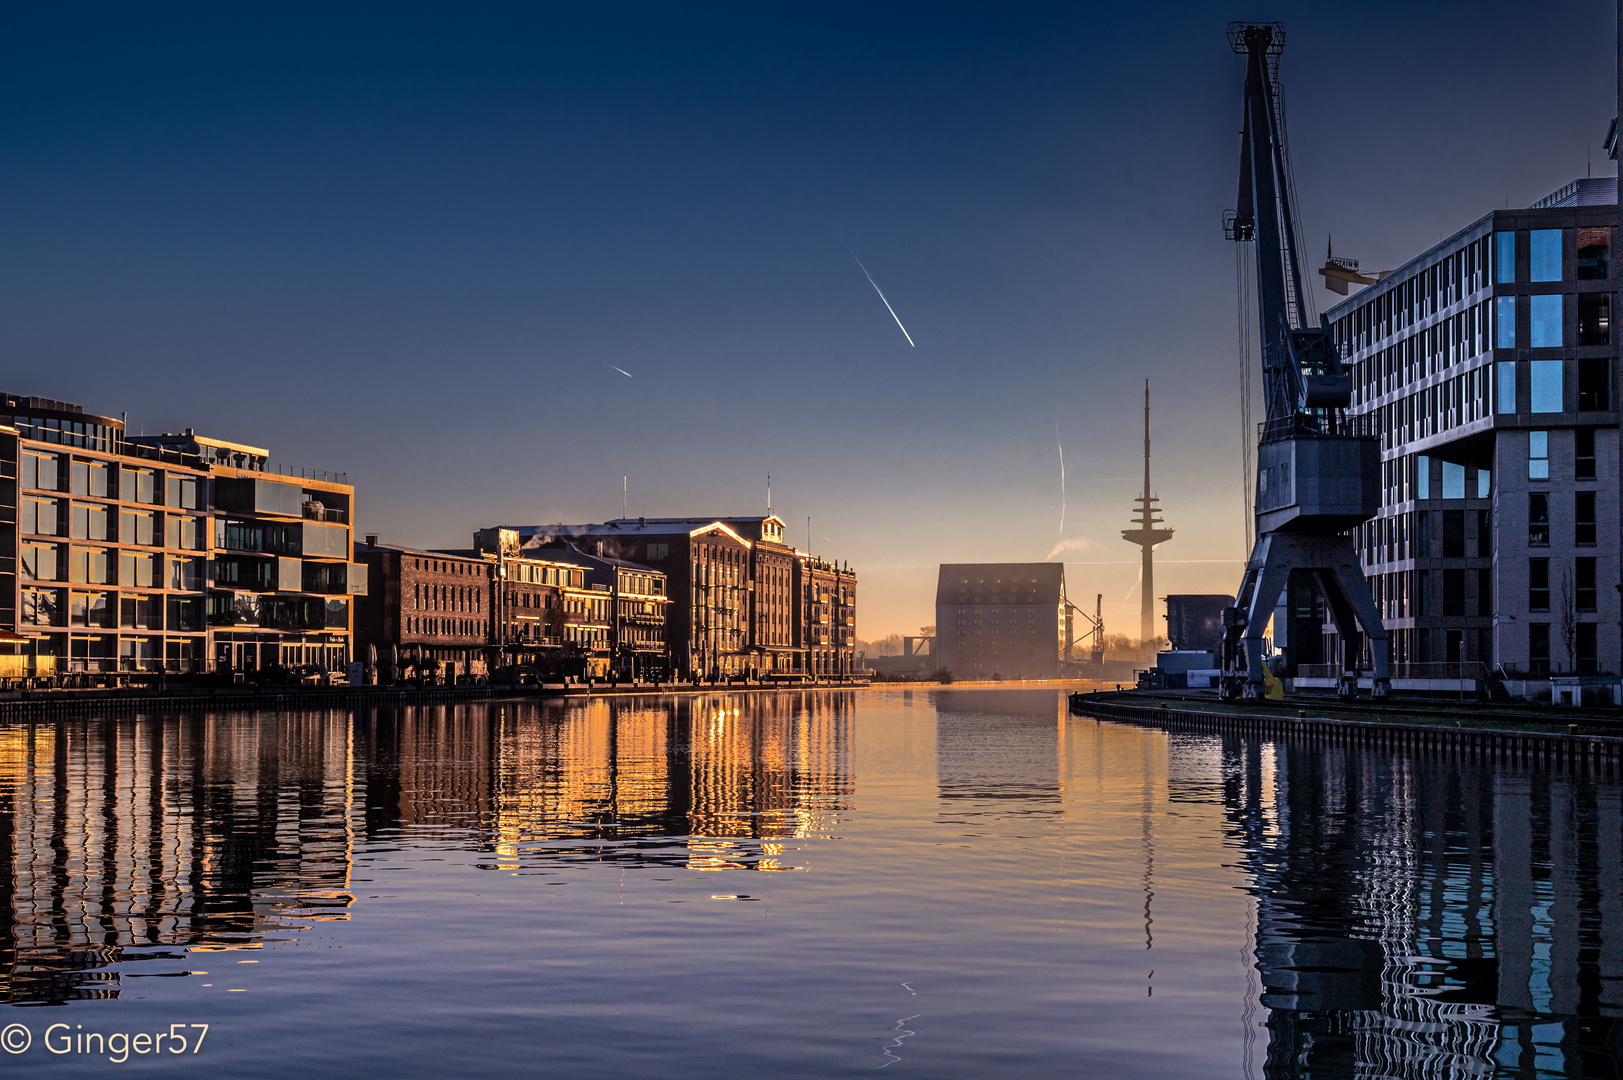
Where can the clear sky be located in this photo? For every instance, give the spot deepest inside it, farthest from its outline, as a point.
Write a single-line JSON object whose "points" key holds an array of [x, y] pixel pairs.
{"points": [[413, 242]]}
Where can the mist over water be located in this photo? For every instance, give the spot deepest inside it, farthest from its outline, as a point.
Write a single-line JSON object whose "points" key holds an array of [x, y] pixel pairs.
{"points": [[952, 882]]}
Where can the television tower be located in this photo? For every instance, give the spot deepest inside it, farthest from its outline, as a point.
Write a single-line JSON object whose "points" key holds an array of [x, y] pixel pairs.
{"points": [[1147, 534]]}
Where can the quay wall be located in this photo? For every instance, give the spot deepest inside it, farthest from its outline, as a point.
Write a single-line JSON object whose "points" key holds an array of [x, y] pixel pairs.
{"points": [[1601, 754]]}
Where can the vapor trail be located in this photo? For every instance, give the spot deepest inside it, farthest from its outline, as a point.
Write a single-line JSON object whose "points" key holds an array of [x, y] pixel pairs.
{"points": [[882, 299], [623, 371], [1061, 478]]}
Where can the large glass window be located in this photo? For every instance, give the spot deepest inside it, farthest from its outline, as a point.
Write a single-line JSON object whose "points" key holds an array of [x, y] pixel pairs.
{"points": [[1594, 318], [39, 516], [40, 471], [1544, 322], [1544, 386], [138, 485], [1422, 477], [136, 527], [42, 607], [182, 492], [1538, 455], [1583, 455], [88, 565], [1484, 483], [1594, 384], [1453, 480], [40, 562], [137, 570], [89, 521], [1544, 255], [1594, 254], [1504, 257], [1505, 391], [1504, 322]]}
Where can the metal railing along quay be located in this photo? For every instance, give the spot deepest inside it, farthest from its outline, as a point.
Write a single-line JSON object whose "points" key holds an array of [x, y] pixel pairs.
{"points": [[1602, 754]]}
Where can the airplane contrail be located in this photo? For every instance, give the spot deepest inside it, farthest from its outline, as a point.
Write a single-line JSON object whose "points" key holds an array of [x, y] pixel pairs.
{"points": [[1061, 478], [623, 371], [882, 299]]}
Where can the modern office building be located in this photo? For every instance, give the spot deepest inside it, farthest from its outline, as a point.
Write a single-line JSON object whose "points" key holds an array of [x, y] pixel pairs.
{"points": [[1001, 620], [1490, 363], [126, 556], [280, 579]]}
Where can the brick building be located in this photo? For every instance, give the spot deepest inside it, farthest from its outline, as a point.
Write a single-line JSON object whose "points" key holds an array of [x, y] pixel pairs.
{"points": [[1001, 620], [432, 603], [740, 599]]}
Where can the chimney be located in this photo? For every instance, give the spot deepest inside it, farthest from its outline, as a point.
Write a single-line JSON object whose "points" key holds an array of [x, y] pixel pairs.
{"points": [[371, 539], [642, 523]]}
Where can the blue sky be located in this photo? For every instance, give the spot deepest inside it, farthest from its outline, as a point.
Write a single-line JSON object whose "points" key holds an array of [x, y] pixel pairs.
{"points": [[409, 241]]}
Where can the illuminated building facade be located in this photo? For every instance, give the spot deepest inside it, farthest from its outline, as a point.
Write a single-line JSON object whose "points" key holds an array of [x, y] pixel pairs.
{"points": [[741, 600], [131, 555], [433, 603]]}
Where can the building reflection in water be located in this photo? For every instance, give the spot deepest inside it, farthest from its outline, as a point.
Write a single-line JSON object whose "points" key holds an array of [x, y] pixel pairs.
{"points": [[997, 752], [143, 840], [1422, 917], [149, 839]]}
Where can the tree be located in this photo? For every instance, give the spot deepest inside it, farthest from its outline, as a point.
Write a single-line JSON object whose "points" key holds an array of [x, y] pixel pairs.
{"points": [[1569, 620]]}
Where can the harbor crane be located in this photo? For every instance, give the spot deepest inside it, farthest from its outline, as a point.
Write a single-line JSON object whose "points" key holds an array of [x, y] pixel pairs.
{"points": [[1094, 634], [1318, 469]]}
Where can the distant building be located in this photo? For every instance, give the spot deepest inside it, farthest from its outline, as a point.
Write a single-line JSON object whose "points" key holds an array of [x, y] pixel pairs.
{"points": [[1491, 362], [1004, 620], [740, 599]]}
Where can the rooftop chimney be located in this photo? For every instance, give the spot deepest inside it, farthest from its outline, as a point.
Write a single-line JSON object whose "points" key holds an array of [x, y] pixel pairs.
{"points": [[371, 539]]}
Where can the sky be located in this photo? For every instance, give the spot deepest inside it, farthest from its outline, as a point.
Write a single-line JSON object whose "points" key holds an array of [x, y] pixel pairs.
{"points": [[414, 242]]}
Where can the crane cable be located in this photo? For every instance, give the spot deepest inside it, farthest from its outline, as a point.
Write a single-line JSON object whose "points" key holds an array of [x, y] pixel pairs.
{"points": [[1242, 288]]}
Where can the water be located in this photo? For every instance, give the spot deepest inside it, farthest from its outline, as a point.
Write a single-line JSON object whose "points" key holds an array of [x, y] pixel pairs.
{"points": [[943, 883]]}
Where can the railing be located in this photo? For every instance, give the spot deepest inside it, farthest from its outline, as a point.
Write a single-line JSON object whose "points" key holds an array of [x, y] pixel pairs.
{"points": [[1468, 669], [325, 513], [306, 474]]}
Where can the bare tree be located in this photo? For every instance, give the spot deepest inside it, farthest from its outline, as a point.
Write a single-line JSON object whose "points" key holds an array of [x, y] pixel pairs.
{"points": [[1569, 620]]}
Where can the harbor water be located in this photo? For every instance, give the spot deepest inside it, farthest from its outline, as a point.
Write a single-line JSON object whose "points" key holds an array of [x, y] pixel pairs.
{"points": [[942, 882]]}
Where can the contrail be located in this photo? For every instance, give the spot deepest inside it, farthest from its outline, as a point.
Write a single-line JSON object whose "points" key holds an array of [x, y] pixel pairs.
{"points": [[882, 299], [623, 371], [1061, 479]]}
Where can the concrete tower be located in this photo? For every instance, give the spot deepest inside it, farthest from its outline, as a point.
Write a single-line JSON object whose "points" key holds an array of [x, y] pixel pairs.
{"points": [[1147, 534]]}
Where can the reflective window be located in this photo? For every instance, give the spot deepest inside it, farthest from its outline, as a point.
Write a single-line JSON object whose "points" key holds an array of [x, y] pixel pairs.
{"points": [[1505, 391], [1504, 249], [1544, 255], [1453, 480], [1538, 519], [1504, 322], [1484, 484], [1594, 318], [39, 516], [1538, 455], [40, 471], [1544, 322], [39, 562], [1584, 518], [1544, 386], [1594, 254], [89, 522]]}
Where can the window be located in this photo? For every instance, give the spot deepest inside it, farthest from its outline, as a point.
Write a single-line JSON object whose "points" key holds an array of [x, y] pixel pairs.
{"points": [[136, 527], [1584, 518], [1585, 645], [136, 570], [1595, 318], [1584, 583], [1544, 255], [1423, 534], [1504, 261], [40, 471], [1484, 534], [1544, 322], [40, 562], [1594, 384], [1484, 483], [1583, 454], [1544, 386], [1504, 322], [1453, 480], [89, 565], [182, 492], [1538, 519], [137, 485], [89, 522], [1484, 592], [1538, 455], [1538, 648], [39, 516], [1453, 534], [1594, 254], [1453, 592], [1420, 590], [42, 607], [1538, 584], [1422, 477], [90, 478], [1505, 391]]}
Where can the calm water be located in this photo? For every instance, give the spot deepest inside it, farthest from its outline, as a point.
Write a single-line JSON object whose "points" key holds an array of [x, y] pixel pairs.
{"points": [[943, 883]]}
